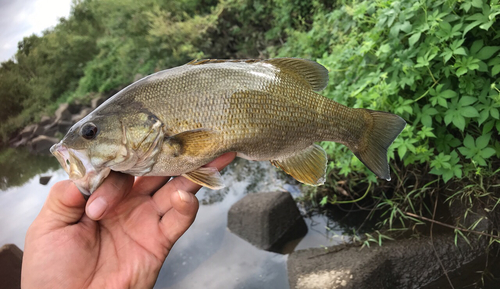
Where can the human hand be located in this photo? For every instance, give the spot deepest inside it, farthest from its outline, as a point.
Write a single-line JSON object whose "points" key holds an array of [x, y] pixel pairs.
{"points": [[123, 239]]}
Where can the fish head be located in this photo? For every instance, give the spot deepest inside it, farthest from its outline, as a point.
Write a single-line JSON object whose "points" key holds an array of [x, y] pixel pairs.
{"points": [[109, 140]]}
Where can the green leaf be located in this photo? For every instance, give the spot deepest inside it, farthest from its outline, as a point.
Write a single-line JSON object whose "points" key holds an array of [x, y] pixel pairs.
{"points": [[461, 71], [487, 152], [487, 51], [476, 45], [467, 100], [494, 113], [459, 51], [495, 70], [469, 141], [477, 3], [469, 111], [414, 38], [448, 94], [402, 151], [482, 141], [459, 122]]}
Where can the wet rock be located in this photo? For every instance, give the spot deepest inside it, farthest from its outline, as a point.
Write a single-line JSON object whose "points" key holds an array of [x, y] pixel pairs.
{"points": [[44, 180], [50, 130], [42, 144], [74, 108], [45, 120], [408, 263], [97, 101], [267, 220], [63, 113], [27, 131], [10, 266], [20, 142], [83, 113], [39, 130], [64, 126]]}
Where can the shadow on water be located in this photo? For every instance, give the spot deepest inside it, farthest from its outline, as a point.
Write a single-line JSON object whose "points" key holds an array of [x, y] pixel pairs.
{"points": [[18, 166]]}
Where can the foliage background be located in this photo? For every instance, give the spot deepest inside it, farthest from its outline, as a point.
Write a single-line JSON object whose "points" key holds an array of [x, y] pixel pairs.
{"points": [[434, 62]]}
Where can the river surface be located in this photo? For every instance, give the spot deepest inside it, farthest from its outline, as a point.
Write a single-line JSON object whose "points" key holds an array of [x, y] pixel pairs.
{"points": [[207, 255]]}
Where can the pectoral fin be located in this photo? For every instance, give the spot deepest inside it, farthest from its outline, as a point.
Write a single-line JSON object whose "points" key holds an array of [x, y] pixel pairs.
{"points": [[206, 176], [307, 166], [194, 142]]}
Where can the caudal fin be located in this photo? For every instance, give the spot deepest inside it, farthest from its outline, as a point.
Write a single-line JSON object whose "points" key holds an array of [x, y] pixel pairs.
{"points": [[372, 149]]}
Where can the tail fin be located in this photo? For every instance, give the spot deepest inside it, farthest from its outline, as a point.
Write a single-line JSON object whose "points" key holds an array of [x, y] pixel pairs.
{"points": [[372, 148]]}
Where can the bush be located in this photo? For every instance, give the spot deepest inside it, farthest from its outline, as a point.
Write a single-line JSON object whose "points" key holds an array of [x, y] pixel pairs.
{"points": [[435, 63]]}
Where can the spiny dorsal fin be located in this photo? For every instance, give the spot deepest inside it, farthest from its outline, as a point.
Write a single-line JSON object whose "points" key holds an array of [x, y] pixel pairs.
{"points": [[206, 176], [314, 73], [307, 166]]}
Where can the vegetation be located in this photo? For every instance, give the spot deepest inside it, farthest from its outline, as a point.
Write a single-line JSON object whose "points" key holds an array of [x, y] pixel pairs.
{"points": [[434, 62]]}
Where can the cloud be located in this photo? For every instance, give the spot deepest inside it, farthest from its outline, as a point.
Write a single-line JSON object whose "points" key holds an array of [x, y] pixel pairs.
{"points": [[21, 18]]}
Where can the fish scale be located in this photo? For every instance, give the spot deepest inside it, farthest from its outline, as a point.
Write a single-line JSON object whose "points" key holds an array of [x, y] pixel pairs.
{"points": [[175, 121]]}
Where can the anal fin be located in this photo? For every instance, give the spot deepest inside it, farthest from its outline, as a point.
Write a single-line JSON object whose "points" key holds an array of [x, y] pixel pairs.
{"points": [[206, 176], [307, 166]]}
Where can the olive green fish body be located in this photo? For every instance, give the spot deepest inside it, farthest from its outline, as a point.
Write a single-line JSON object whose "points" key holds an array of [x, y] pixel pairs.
{"points": [[175, 121]]}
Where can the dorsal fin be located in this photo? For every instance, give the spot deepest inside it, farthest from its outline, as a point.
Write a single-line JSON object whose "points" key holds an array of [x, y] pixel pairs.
{"points": [[312, 72]]}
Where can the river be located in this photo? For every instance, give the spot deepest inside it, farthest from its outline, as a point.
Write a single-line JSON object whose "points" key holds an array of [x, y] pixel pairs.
{"points": [[207, 255]]}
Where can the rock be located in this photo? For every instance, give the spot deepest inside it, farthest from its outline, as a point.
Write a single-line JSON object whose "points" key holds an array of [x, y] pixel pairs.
{"points": [[64, 126], [83, 113], [42, 144], [39, 130], [10, 266], [44, 180], [62, 113], [267, 220], [45, 120], [50, 130], [97, 101], [27, 131], [408, 263], [74, 108]]}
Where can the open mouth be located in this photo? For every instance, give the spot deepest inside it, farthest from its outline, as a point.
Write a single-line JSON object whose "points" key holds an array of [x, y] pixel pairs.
{"points": [[79, 168]]}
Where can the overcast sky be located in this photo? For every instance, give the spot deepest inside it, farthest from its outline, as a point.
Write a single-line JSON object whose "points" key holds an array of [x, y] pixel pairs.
{"points": [[20, 18]]}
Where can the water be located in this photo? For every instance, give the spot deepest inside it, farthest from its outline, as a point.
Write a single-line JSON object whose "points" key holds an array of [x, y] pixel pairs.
{"points": [[207, 255]]}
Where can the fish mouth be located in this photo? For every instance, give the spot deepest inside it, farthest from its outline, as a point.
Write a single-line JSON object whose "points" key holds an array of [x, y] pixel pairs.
{"points": [[80, 169]]}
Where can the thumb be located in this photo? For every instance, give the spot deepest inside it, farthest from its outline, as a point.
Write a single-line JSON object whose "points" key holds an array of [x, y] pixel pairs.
{"points": [[114, 188], [64, 205]]}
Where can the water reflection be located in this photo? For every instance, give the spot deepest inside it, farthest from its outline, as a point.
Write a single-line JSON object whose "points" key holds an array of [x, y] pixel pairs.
{"points": [[208, 255], [18, 166]]}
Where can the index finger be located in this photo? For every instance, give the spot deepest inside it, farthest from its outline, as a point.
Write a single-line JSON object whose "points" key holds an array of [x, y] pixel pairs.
{"points": [[162, 196]]}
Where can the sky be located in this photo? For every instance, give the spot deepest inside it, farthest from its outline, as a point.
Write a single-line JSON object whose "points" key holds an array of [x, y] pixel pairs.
{"points": [[21, 18]]}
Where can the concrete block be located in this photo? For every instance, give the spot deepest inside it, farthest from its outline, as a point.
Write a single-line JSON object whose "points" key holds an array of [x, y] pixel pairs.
{"points": [[267, 220]]}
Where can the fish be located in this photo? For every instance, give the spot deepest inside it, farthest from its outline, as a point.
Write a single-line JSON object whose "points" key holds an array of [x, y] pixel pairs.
{"points": [[173, 122]]}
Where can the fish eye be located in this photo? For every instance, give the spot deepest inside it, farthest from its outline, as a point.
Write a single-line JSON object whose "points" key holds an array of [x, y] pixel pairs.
{"points": [[89, 131]]}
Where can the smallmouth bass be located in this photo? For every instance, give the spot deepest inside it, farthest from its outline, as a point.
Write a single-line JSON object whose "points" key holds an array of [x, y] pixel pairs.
{"points": [[175, 121]]}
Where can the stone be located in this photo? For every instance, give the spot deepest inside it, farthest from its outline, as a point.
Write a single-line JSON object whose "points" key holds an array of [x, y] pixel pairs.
{"points": [[42, 144], [27, 131], [74, 108], [83, 113], [11, 258], [45, 120], [62, 113], [64, 126], [95, 102], [50, 130], [407, 263], [44, 180], [39, 130], [267, 220]]}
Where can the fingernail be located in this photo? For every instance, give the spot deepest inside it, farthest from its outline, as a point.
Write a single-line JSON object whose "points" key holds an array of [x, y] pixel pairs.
{"points": [[97, 208], [185, 196]]}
